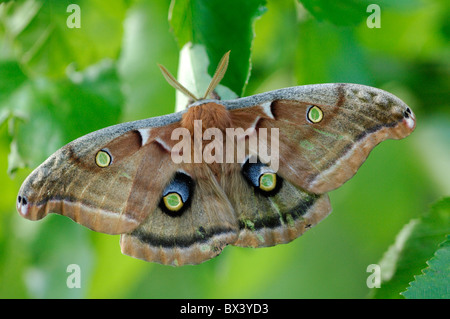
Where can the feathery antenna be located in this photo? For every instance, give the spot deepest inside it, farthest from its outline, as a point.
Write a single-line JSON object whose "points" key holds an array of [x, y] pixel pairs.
{"points": [[218, 76], [177, 85]]}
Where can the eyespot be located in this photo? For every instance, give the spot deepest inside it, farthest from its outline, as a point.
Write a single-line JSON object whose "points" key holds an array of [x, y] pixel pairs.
{"points": [[103, 159], [173, 202], [177, 195], [314, 114], [268, 181], [263, 179]]}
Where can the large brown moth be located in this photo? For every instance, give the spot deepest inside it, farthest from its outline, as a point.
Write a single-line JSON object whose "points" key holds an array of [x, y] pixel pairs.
{"points": [[123, 179]]}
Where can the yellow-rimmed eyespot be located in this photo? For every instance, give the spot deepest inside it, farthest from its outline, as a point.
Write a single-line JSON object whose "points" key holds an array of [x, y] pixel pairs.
{"points": [[103, 159], [173, 202], [314, 114], [268, 181], [177, 195], [263, 179]]}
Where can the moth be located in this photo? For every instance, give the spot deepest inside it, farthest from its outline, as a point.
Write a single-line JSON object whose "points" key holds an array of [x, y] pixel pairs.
{"points": [[124, 180]]}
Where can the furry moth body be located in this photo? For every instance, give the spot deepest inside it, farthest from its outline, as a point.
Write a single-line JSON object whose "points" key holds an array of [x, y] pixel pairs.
{"points": [[121, 179]]}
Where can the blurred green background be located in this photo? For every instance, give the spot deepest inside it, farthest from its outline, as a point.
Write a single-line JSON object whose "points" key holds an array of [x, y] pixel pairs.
{"points": [[58, 83]]}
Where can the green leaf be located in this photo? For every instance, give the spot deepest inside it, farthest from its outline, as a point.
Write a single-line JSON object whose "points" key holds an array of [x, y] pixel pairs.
{"points": [[435, 281], [338, 12], [44, 42], [349, 12], [48, 114], [326, 53], [415, 244], [219, 27], [11, 77]]}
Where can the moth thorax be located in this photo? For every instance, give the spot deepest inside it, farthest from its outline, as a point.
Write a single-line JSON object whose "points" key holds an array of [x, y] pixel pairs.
{"points": [[211, 115]]}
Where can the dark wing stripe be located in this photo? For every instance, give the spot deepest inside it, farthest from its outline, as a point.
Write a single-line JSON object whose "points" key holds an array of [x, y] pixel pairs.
{"points": [[273, 222], [185, 241]]}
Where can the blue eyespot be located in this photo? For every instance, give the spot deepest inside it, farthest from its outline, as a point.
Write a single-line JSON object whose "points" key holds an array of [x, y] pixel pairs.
{"points": [[177, 195], [263, 179]]}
